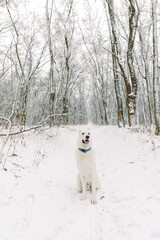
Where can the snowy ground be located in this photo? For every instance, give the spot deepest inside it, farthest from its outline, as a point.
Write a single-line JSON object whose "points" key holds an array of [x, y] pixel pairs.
{"points": [[39, 198]]}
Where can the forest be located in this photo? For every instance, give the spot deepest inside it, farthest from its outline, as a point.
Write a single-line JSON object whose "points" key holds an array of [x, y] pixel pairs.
{"points": [[68, 67], [71, 62]]}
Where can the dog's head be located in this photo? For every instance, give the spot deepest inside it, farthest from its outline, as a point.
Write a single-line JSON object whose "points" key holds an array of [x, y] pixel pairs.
{"points": [[84, 139]]}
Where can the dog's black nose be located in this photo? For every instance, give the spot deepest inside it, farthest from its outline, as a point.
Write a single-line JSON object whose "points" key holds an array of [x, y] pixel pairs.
{"points": [[87, 137]]}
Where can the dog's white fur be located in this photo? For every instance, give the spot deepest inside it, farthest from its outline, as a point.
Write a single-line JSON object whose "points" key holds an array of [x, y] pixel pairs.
{"points": [[87, 178]]}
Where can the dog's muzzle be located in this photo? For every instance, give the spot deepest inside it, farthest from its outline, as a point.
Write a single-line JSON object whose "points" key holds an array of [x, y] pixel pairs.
{"points": [[86, 141]]}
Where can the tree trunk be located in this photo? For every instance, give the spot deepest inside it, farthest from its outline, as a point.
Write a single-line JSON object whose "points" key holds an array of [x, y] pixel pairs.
{"points": [[131, 88], [121, 121], [118, 55], [51, 72], [148, 94], [146, 77], [105, 112], [65, 109], [23, 113], [133, 21], [155, 69]]}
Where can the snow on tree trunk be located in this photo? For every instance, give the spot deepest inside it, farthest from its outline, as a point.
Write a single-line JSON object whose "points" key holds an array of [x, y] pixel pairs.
{"points": [[133, 21]]}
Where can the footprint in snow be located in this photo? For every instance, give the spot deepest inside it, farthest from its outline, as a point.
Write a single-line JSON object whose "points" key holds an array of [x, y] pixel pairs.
{"points": [[21, 226], [49, 183], [30, 199]]}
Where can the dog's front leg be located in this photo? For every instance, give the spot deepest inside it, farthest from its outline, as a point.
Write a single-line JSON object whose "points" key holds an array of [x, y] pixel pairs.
{"points": [[84, 191], [93, 195]]}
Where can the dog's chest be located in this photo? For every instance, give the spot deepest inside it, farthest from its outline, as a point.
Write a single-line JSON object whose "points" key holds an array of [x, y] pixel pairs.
{"points": [[85, 164]]}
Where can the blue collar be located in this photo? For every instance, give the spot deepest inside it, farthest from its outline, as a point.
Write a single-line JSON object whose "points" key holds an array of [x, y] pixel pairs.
{"points": [[84, 150]]}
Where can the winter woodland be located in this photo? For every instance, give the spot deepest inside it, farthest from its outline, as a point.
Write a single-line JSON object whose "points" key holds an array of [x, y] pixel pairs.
{"points": [[71, 62], [64, 64]]}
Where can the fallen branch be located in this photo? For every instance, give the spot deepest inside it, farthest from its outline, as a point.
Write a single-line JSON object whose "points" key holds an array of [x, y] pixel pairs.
{"points": [[21, 131], [40, 124]]}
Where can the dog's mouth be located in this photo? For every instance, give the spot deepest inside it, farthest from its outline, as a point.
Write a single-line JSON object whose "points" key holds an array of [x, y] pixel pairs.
{"points": [[85, 141]]}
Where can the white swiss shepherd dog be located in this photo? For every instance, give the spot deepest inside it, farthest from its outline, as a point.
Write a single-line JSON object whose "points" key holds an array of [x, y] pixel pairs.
{"points": [[87, 178]]}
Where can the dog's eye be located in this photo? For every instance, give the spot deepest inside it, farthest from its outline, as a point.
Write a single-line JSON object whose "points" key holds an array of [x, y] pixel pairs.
{"points": [[88, 133], [82, 133]]}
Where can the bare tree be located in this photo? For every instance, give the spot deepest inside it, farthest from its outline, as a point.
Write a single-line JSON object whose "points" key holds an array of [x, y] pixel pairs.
{"points": [[131, 87], [116, 75], [52, 90], [24, 67], [133, 23], [155, 69], [144, 50]]}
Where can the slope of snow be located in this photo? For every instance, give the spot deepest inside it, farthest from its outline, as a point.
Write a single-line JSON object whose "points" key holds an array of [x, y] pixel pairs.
{"points": [[39, 198]]}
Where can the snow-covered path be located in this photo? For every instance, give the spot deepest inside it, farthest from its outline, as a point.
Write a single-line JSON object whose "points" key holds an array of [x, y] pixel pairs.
{"points": [[39, 200]]}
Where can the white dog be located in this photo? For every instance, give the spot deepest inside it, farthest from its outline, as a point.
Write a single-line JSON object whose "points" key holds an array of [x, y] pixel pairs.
{"points": [[87, 178]]}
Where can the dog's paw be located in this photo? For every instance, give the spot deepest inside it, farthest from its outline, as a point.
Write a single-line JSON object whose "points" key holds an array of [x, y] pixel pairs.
{"points": [[80, 190], [93, 201], [83, 197]]}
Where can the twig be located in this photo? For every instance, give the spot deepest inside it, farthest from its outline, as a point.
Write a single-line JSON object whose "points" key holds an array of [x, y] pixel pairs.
{"points": [[17, 165]]}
